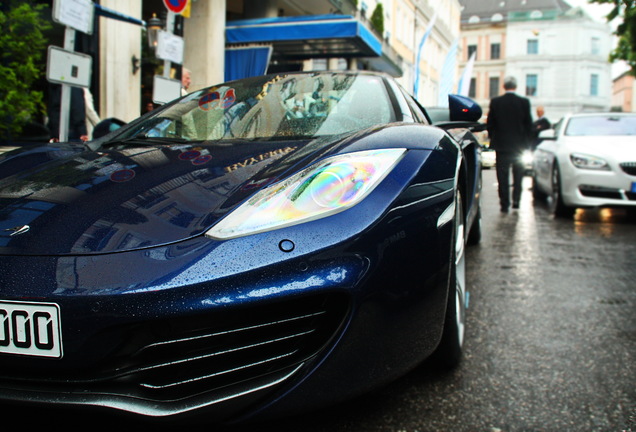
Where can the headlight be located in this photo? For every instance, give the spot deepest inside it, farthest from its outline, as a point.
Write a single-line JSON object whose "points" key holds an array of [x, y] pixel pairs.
{"points": [[527, 157], [328, 187], [589, 162]]}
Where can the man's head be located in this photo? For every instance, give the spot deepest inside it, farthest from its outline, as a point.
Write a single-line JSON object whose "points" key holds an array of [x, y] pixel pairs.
{"points": [[185, 78], [540, 111], [510, 83]]}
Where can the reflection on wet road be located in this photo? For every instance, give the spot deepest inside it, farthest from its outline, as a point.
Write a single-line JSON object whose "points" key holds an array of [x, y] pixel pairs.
{"points": [[550, 340]]}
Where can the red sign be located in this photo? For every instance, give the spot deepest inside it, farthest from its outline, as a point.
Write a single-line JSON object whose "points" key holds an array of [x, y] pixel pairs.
{"points": [[176, 6]]}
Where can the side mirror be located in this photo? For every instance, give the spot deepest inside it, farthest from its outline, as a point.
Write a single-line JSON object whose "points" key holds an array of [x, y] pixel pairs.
{"points": [[463, 109]]}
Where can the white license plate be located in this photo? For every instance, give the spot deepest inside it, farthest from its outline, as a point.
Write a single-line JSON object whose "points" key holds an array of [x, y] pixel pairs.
{"points": [[31, 329]]}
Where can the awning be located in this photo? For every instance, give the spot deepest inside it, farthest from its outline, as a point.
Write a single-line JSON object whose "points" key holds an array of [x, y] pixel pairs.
{"points": [[245, 62], [385, 64], [305, 37]]}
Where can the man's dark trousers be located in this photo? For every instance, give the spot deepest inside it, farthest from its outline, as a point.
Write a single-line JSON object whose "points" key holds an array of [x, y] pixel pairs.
{"points": [[505, 160]]}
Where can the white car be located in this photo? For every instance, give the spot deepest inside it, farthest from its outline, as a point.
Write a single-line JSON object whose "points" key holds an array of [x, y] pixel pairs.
{"points": [[589, 160], [488, 158]]}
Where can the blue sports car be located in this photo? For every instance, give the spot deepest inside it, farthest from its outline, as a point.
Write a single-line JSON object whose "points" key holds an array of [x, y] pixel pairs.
{"points": [[253, 249]]}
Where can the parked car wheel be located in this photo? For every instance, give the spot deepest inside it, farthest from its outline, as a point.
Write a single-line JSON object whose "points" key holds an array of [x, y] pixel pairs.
{"points": [[449, 352], [474, 237], [537, 193], [556, 200]]}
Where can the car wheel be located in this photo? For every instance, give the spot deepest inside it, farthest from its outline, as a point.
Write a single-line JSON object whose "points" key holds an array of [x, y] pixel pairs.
{"points": [[556, 200], [537, 193], [449, 351], [474, 237]]}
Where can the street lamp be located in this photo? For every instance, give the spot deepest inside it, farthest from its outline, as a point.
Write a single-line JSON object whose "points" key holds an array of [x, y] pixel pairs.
{"points": [[153, 26]]}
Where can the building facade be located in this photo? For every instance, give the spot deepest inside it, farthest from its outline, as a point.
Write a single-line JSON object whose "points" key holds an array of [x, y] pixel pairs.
{"points": [[122, 86], [623, 95], [558, 54]]}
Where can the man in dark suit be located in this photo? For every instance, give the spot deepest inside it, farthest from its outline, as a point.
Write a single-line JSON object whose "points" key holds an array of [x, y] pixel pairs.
{"points": [[510, 131], [539, 125]]}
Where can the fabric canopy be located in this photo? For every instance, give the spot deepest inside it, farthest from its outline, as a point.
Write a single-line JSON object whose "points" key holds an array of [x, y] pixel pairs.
{"points": [[308, 36], [245, 62]]}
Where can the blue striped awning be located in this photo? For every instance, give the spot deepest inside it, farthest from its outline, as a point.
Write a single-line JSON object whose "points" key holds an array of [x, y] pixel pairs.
{"points": [[318, 36]]}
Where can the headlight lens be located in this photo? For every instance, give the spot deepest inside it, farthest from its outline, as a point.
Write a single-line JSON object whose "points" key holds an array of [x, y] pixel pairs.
{"points": [[527, 157], [584, 161], [328, 187]]}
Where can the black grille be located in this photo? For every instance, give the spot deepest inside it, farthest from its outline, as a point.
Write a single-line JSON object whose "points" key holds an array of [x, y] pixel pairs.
{"points": [[629, 168], [600, 192], [176, 359]]}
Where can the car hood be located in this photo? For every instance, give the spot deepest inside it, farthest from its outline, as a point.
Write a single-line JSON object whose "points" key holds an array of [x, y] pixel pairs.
{"points": [[63, 199]]}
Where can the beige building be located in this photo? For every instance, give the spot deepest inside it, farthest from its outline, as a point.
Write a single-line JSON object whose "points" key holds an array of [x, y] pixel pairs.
{"points": [[623, 96], [487, 42]]}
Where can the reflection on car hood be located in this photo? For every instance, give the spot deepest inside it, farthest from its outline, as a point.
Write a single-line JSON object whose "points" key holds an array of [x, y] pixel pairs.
{"points": [[69, 200]]}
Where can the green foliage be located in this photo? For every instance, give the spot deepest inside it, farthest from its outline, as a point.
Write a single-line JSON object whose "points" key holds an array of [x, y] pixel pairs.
{"points": [[22, 47], [377, 19], [626, 30]]}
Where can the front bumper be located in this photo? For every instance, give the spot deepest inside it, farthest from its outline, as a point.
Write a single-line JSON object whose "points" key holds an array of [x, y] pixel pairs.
{"points": [[590, 188]]}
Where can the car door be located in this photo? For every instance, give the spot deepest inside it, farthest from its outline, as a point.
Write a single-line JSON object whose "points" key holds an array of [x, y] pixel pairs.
{"points": [[544, 158]]}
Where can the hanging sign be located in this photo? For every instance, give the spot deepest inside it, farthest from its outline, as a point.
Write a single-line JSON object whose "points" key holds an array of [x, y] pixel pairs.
{"points": [[77, 14], [170, 47], [165, 89], [68, 67], [176, 6]]}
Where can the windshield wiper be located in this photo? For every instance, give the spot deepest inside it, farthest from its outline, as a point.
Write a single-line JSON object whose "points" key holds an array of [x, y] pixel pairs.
{"points": [[143, 139]]}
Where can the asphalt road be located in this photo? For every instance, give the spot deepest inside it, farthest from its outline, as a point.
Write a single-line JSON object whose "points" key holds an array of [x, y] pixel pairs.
{"points": [[550, 339]]}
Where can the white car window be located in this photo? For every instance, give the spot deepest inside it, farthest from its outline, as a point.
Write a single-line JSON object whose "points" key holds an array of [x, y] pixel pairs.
{"points": [[602, 125]]}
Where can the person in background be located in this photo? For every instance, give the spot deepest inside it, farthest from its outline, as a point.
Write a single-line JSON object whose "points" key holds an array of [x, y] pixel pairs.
{"points": [[77, 115], [92, 118], [510, 130], [540, 124], [185, 81]]}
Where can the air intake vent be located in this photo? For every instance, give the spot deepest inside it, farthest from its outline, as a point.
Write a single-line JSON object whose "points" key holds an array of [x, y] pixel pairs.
{"points": [[177, 359], [629, 168]]}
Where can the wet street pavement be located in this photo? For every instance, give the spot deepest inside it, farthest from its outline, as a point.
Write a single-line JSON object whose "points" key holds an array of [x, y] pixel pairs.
{"points": [[550, 340]]}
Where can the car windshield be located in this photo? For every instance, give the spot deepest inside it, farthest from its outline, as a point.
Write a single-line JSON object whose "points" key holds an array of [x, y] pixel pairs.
{"points": [[282, 106], [603, 125]]}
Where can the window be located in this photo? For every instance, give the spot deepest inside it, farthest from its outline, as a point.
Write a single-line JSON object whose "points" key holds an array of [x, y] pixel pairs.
{"points": [[495, 51], [594, 85], [531, 84], [536, 14], [533, 46], [363, 9], [596, 46], [601, 124], [493, 89], [472, 49], [472, 91]]}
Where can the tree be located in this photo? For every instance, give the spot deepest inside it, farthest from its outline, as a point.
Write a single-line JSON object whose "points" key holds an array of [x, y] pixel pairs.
{"points": [[22, 46], [377, 19], [626, 31]]}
